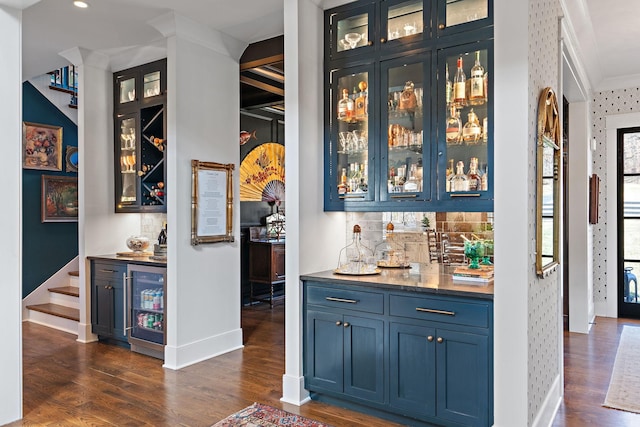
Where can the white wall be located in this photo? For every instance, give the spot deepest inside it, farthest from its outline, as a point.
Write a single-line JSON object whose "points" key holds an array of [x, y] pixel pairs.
{"points": [[11, 224], [203, 122]]}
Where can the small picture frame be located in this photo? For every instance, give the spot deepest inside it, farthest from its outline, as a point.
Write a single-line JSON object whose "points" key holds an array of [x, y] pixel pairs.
{"points": [[211, 202], [71, 159], [41, 146], [59, 199]]}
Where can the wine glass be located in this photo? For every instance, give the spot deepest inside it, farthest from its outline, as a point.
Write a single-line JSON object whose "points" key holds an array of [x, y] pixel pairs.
{"points": [[352, 39]]}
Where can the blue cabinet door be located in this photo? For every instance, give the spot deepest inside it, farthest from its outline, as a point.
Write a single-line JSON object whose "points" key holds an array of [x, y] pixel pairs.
{"points": [[324, 351], [363, 358], [462, 377], [118, 311], [412, 369]]}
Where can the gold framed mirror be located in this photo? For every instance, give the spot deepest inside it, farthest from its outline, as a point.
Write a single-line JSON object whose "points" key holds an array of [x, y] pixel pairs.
{"points": [[548, 184], [211, 202]]}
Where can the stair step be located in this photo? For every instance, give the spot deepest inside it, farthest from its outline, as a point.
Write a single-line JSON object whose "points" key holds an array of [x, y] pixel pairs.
{"points": [[57, 310], [74, 273], [73, 291]]}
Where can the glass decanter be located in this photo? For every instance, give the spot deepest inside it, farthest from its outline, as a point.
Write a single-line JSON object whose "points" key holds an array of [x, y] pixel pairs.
{"points": [[472, 131], [356, 258]]}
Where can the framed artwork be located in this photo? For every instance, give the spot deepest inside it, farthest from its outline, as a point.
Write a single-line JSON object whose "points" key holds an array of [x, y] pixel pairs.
{"points": [[71, 158], [41, 146], [59, 198], [211, 202]]}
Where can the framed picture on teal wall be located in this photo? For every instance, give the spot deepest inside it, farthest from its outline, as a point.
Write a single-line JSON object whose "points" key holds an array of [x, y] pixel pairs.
{"points": [[59, 198], [41, 146], [72, 159]]}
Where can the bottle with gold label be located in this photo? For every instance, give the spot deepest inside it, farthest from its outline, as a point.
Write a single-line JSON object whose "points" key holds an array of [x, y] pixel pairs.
{"points": [[343, 188], [476, 86], [361, 101], [473, 175], [472, 132], [453, 131], [346, 107]]}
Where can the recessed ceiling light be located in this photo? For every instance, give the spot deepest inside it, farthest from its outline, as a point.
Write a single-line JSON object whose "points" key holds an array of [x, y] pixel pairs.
{"points": [[81, 4]]}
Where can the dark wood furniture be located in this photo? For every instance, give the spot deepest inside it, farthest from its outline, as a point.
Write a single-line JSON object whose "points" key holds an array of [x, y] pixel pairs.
{"points": [[266, 266]]}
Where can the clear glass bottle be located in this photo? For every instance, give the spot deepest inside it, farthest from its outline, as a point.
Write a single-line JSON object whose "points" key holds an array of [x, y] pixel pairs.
{"points": [[484, 178], [453, 130], [345, 107], [449, 176], [474, 176], [449, 86], [476, 89], [472, 132], [459, 86], [459, 181], [411, 186]]}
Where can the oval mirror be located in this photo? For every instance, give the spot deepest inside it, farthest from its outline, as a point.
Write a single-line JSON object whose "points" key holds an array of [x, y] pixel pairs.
{"points": [[548, 184]]}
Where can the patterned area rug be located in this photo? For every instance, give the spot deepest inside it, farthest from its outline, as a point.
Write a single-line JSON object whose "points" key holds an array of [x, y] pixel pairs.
{"points": [[263, 415], [624, 388]]}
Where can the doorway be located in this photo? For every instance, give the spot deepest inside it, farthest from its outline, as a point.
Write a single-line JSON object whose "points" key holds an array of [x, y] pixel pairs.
{"points": [[628, 159]]}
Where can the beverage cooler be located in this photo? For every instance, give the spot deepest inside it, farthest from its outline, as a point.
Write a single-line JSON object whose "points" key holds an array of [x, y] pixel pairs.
{"points": [[145, 309]]}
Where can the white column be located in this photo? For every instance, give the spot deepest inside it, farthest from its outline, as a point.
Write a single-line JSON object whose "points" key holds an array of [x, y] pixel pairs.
{"points": [[11, 224], [580, 233], [512, 215], [308, 226], [203, 123]]}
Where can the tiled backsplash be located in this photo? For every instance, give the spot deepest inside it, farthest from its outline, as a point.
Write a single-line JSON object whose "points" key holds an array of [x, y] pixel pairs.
{"points": [[441, 242], [151, 224]]}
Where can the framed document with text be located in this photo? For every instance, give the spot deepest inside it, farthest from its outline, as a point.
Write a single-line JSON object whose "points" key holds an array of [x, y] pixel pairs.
{"points": [[211, 202]]}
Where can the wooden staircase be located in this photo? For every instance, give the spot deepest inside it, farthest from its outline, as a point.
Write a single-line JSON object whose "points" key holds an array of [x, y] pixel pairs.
{"points": [[62, 311]]}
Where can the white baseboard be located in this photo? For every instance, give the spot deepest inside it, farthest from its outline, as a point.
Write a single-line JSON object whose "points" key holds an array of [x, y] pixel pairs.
{"points": [[55, 322], [84, 333], [293, 390], [550, 406], [180, 357]]}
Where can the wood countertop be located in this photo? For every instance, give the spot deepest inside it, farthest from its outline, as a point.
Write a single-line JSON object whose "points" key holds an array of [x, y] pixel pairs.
{"points": [[426, 278]]}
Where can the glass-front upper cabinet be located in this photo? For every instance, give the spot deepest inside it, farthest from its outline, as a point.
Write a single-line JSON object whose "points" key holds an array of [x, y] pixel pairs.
{"points": [[349, 140], [352, 31], [465, 123], [404, 21], [140, 138], [405, 135], [455, 16]]}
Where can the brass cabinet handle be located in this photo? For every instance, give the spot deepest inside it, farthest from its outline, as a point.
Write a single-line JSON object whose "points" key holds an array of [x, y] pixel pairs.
{"points": [[349, 301], [465, 195], [404, 196], [441, 26], [440, 340], [347, 324], [431, 310], [430, 338], [338, 323], [352, 197], [107, 271]]}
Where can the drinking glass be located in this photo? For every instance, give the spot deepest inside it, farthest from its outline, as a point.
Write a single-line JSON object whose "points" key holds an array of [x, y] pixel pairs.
{"points": [[352, 39]]}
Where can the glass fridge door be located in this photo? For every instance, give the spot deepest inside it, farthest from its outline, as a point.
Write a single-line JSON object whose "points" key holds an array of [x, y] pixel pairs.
{"points": [[147, 296]]}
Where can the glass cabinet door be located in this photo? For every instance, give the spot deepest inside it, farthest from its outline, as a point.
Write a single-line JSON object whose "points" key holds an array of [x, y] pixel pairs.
{"points": [[151, 84], [127, 185], [351, 31], [404, 21], [405, 119], [350, 137], [462, 15], [465, 123], [126, 89]]}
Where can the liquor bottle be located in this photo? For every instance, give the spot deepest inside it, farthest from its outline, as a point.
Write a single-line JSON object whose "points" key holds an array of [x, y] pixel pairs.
{"points": [[364, 180], [485, 129], [472, 132], [449, 175], [449, 86], [361, 101], [342, 186], [459, 181], [345, 107], [473, 175], [453, 131], [459, 86], [476, 91], [412, 183], [162, 237], [484, 178], [354, 177]]}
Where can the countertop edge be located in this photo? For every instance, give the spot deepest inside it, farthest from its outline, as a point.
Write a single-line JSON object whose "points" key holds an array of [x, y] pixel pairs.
{"points": [[128, 260]]}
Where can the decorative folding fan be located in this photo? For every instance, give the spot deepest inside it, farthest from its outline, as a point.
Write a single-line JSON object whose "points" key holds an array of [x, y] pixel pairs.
{"points": [[262, 174]]}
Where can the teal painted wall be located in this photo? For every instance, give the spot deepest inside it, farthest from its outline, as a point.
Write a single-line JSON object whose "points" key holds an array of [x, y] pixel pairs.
{"points": [[46, 247]]}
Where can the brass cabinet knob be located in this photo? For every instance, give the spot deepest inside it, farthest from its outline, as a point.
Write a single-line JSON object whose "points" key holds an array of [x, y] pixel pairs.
{"points": [[440, 340], [347, 324], [430, 338], [338, 323], [383, 40], [370, 43], [441, 26]]}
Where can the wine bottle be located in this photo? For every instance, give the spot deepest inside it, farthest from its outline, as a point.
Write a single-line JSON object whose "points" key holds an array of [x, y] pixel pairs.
{"points": [[476, 91], [459, 85]]}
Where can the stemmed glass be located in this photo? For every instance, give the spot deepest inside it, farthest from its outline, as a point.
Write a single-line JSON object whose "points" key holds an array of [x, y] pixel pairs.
{"points": [[353, 39]]}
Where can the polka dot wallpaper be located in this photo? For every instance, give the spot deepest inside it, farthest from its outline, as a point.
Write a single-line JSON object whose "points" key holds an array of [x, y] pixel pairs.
{"points": [[606, 103]]}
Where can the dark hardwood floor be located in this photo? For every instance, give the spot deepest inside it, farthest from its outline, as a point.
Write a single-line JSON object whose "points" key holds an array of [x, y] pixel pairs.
{"points": [[588, 363], [71, 384]]}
